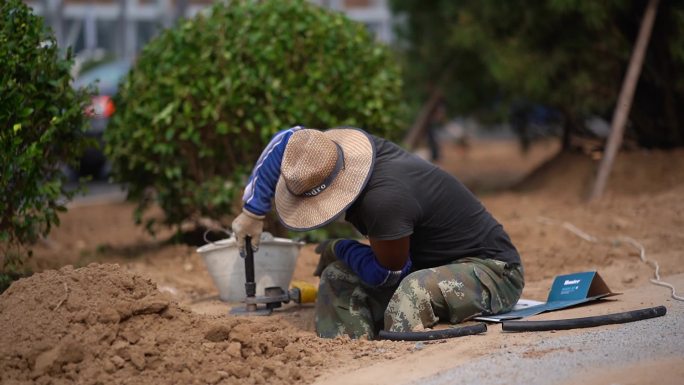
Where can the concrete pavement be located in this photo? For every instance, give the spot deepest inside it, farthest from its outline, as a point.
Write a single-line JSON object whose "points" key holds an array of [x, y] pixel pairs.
{"points": [[559, 360]]}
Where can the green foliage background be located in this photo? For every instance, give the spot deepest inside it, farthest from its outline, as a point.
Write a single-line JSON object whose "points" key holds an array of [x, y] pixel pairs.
{"points": [[41, 126], [488, 55], [205, 97]]}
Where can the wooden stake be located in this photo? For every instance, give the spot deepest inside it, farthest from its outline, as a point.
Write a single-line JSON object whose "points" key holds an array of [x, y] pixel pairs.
{"points": [[624, 104]]}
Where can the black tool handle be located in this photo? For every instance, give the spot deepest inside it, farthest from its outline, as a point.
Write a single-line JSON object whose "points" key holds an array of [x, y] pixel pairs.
{"points": [[250, 285]]}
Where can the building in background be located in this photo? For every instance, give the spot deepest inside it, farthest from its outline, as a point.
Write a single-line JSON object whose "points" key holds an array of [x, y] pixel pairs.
{"points": [[119, 28], [374, 14]]}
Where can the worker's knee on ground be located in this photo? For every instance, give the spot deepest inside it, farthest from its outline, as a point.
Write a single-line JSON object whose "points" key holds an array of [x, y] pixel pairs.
{"points": [[411, 307], [343, 306]]}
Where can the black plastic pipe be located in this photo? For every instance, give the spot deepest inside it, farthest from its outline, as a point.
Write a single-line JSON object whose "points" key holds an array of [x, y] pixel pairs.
{"points": [[586, 322], [433, 334]]}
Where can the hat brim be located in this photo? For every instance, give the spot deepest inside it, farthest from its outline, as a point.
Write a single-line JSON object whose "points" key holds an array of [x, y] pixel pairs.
{"points": [[302, 213]]}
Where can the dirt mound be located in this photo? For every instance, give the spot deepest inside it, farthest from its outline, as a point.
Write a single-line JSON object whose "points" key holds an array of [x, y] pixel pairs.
{"points": [[571, 175], [101, 324]]}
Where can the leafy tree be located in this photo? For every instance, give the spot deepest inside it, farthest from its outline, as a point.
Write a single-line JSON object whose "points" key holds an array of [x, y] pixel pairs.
{"points": [[489, 56], [41, 126], [205, 97]]}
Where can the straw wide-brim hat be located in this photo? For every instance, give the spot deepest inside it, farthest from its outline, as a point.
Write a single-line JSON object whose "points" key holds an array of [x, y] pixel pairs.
{"points": [[321, 175]]}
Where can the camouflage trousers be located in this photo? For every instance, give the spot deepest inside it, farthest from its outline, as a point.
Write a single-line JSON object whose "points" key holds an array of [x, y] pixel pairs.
{"points": [[451, 293]]}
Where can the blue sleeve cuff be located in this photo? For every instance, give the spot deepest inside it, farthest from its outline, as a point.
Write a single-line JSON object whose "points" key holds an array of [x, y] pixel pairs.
{"points": [[362, 261]]}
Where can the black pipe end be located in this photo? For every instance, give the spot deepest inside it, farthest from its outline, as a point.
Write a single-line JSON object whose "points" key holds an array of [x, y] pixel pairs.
{"points": [[433, 334]]}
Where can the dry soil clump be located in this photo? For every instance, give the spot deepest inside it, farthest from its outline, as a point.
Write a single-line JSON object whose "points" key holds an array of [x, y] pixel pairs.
{"points": [[102, 324]]}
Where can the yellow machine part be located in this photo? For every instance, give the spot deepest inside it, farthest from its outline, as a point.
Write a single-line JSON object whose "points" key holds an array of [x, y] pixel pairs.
{"points": [[308, 291]]}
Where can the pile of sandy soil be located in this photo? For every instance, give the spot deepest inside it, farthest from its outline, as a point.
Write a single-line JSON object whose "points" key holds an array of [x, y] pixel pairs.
{"points": [[101, 324]]}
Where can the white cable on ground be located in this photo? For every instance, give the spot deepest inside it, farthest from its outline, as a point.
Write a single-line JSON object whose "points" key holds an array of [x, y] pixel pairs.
{"points": [[657, 280], [642, 251]]}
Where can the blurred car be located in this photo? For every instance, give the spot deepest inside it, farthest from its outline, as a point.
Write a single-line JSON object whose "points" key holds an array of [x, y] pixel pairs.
{"points": [[106, 78]]}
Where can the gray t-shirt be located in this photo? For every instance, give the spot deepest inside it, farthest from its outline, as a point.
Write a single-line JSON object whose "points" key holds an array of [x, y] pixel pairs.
{"points": [[406, 195]]}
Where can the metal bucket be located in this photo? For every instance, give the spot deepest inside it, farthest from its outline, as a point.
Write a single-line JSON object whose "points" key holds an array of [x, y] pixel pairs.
{"points": [[274, 265]]}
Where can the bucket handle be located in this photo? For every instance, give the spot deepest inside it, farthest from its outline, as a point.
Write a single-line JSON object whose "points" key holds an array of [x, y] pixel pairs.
{"points": [[222, 230]]}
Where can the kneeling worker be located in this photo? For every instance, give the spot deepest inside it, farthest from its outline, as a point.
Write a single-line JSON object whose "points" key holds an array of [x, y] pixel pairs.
{"points": [[435, 252]]}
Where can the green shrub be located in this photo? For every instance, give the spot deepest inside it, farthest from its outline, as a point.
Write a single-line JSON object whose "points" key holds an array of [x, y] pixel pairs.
{"points": [[205, 97], [41, 127]]}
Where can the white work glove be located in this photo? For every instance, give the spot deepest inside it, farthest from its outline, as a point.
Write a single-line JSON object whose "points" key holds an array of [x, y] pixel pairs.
{"points": [[248, 224]]}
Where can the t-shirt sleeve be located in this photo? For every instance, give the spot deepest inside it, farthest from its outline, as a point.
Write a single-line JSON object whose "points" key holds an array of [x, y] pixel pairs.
{"points": [[389, 213]]}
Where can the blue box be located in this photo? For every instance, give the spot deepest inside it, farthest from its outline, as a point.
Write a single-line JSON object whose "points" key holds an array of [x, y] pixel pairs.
{"points": [[566, 290]]}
